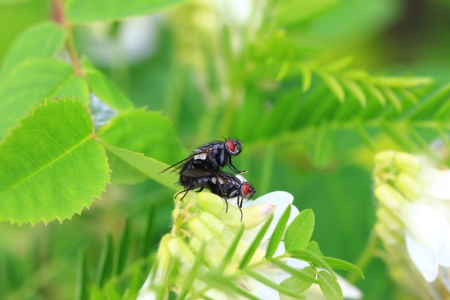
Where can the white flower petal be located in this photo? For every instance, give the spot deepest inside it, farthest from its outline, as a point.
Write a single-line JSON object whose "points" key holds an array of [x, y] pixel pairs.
{"points": [[422, 258], [436, 182], [423, 223], [349, 291]]}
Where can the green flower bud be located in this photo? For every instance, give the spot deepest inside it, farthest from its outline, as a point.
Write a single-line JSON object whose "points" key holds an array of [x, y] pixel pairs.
{"points": [[386, 235], [180, 251], [408, 185], [407, 162], [200, 230], [388, 219], [388, 196], [384, 157]]}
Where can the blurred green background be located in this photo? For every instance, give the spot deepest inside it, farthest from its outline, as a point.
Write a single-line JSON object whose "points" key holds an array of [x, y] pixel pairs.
{"points": [[156, 67]]}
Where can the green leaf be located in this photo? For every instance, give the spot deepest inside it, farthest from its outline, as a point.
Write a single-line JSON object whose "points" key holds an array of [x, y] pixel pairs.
{"points": [[254, 245], [305, 276], [400, 82], [31, 81], [391, 96], [104, 89], [148, 166], [105, 267], [296, 284], [124, 247], [187, 283], [432, 103], [313, 247], [338, 65], [220, 282], [266, 281], [147, 132], [278, 233], [149, 232], [343, 265], [144, 132], [123, 173], [299, 231], [323, 146], [334, 85], [376, 93], [87, 10], [51, 166], [356, 91], [82, 286], [329, 286], [40, 41], [231, 249], [312, 258]]}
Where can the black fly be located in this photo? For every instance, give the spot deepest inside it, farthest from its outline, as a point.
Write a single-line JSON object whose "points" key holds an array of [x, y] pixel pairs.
{"points": [[220, 183], [211, 156], [202, 169]]}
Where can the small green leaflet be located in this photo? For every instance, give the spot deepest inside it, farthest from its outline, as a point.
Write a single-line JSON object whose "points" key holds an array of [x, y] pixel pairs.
{"points": [[336, 263], [329, 286], [299, 231], [146, 165], [298, 285], [148, 133], [104, 89], [51, 166], [31, 81], [100, 10], [277, 234], [40, 41]]}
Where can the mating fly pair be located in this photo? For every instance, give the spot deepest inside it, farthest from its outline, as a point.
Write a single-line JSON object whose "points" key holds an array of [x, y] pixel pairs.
{"points": [[202, 169]]}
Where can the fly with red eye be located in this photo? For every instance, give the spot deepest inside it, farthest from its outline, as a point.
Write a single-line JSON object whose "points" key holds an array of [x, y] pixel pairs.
{"points": [[202, 169], [211, 156], [220, 183]]}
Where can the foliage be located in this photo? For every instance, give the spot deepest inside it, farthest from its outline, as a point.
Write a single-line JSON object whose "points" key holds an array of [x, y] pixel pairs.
{"points": [[309, 119]]}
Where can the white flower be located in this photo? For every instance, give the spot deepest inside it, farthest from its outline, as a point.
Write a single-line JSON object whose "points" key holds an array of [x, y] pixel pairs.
{"points": [[211, 224], [415, 194]]}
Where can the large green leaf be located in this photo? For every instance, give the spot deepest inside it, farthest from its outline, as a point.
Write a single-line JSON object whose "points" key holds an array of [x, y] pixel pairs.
{"points": [[104, 89], [31, 81], [141, 131], [40, 41], [51, 166], [87, 10], [148, 166]]}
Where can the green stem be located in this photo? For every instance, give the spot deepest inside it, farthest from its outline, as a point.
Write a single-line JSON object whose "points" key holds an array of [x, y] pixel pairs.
{"points": [[60, 18], [366, 256]]}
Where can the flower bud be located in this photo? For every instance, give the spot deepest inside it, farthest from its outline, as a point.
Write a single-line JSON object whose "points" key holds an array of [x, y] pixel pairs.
{"points": [[179, 250], [407, 162], [200, 230], [214, 224], [384, 156], [251, 216], [408, 185], [386, 235], [388, 196], [388, 219]]}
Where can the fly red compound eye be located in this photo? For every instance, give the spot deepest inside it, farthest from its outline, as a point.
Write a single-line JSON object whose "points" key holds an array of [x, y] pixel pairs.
{"points": [[245, 189], [231, 146]]}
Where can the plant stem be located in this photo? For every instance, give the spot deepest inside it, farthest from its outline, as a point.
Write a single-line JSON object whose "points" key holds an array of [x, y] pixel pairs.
{"points": [[60, 18], [365, 257]]}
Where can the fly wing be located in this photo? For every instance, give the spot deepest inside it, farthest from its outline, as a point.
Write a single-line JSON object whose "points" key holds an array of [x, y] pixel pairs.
{"points": [[198, 173], [196, 155], [178, 164]]}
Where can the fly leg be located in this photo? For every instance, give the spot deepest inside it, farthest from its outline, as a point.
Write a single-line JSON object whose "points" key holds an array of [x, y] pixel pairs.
{"points": [[232, 167], [222, 194], [240, 206]]}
